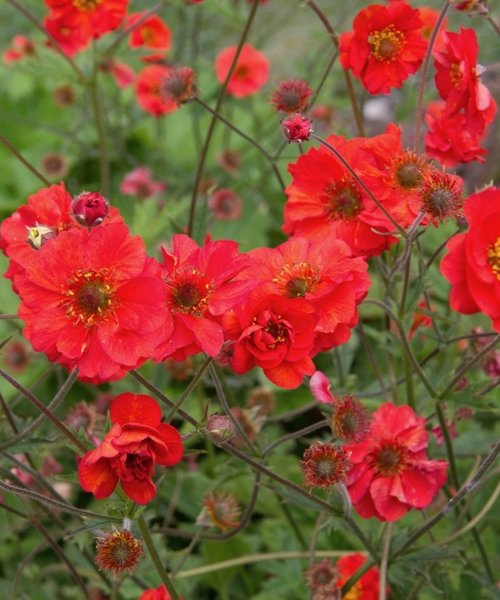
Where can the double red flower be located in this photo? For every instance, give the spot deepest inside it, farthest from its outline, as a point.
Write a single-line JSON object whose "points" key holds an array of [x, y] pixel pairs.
{"points": [[136, 442]]}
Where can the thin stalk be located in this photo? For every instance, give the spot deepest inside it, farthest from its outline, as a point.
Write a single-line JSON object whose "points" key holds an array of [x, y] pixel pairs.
{"points": [[125, 32], [448, 444], [358, 180], [423, 74], [356, 576], [218, 104], [385, 562], [246, 137], [187, 392], [95, 102], [160, 569], [35, 172], [42, 408], [8, 317]]}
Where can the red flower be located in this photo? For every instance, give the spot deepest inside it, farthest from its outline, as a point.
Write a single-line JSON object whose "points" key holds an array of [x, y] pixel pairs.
{"points": [[429, 18], [153, 32], [297, 128], [225, 204], [391, 472], [139, 182], [21, 48], [368, 585], [472, 264], [323, 198], [49, 208], [159, 593], [385, 47], [148, 91], [122, 73], [73, 23], [275, 333], [135, 443], [450, 139], [250, 74], [200, 290], [90, 208], [95, 301], [458, 80], [300, 268]]}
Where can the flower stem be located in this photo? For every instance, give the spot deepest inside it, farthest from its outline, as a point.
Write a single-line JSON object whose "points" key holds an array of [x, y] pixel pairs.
{"points": [[95, 102], [160, 569], [187, 392], [35, 172], [211, 127]]}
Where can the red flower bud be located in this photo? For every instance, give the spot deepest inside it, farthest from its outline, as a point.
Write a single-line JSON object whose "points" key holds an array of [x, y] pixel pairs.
{"points": [[297, 128], [90, 208]]}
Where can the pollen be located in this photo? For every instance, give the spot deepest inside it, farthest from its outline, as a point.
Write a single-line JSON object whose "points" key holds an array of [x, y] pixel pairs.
{"points": [[387, 44], [88, 296], [297, 279], [86, 5], [409, 169], [455, 75], [494, 258]]}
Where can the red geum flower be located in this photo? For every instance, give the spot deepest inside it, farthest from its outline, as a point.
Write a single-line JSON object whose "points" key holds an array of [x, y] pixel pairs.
{"points": [[419, 319], [385, 47], [472, 264], [323, 198], [449, 139], [49, 210], [95, 301], [21, 47], [301, 268], [225, 204], [200, 289], [73, 23], [122, 73], [275, 333], [368, 585], [297, 128], [135, 443], [159, 593], [473, 6], [458, 80], [139, 182], [394, 175], [90, 208], [148, 91], [250, 74], [391, 472], [429, 18], [153, 32]]}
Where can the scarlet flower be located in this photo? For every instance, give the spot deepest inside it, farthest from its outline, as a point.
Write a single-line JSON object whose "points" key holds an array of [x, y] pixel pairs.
{"points": [[159, 593], [429, 18], [95, 301], [391, 472], [458, 80], [323, 198], [250, 74], [225, 204], [473, 6], [153, 32], [385, 47], [368, 585], [21, 47], [73, 23], [140, 183], [148, 91], [118, 552], [472, 264], [275, 333], [200, 289], [324, 465], [135, 443], [291, 95], [122, 73], [301, 268], [450, 139], [419, 319], [49, 210]]}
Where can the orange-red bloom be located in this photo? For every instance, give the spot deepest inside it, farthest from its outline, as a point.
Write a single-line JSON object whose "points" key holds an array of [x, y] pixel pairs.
{"points": [[136, 442], [368, 585], [95, 301], [73, 23], [148, 91], [159, 593], [391, 472], [472, 264], [250, 74], [385, 47], [323, 198], [153, 32], [21, 47]]}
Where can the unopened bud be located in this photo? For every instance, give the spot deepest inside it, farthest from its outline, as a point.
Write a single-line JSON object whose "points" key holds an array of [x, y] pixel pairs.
{"points": [[219, 428], [90, 208], [297, 128]]}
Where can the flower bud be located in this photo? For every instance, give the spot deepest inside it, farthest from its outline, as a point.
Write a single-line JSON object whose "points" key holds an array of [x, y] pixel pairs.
{"points": [[297, 128], [90, 208], [219, 428], [38, 235]]}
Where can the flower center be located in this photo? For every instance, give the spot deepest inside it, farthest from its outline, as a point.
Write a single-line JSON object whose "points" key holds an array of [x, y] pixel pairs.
{"points": [[277, 333], [386, 45], [241, 72], [390, 459], [355, 593], [456, 75], [297, 279], [190, 291], [494, 258], [89, 296], [86, 5], [409, 170], [343, 200]]}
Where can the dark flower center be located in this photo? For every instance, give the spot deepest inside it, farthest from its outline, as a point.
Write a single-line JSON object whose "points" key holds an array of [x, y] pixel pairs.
{"points": [[391, 459], [190, 291], [409, 175], [297, 279], [386, 44], [343, 200], [89, 296]]}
